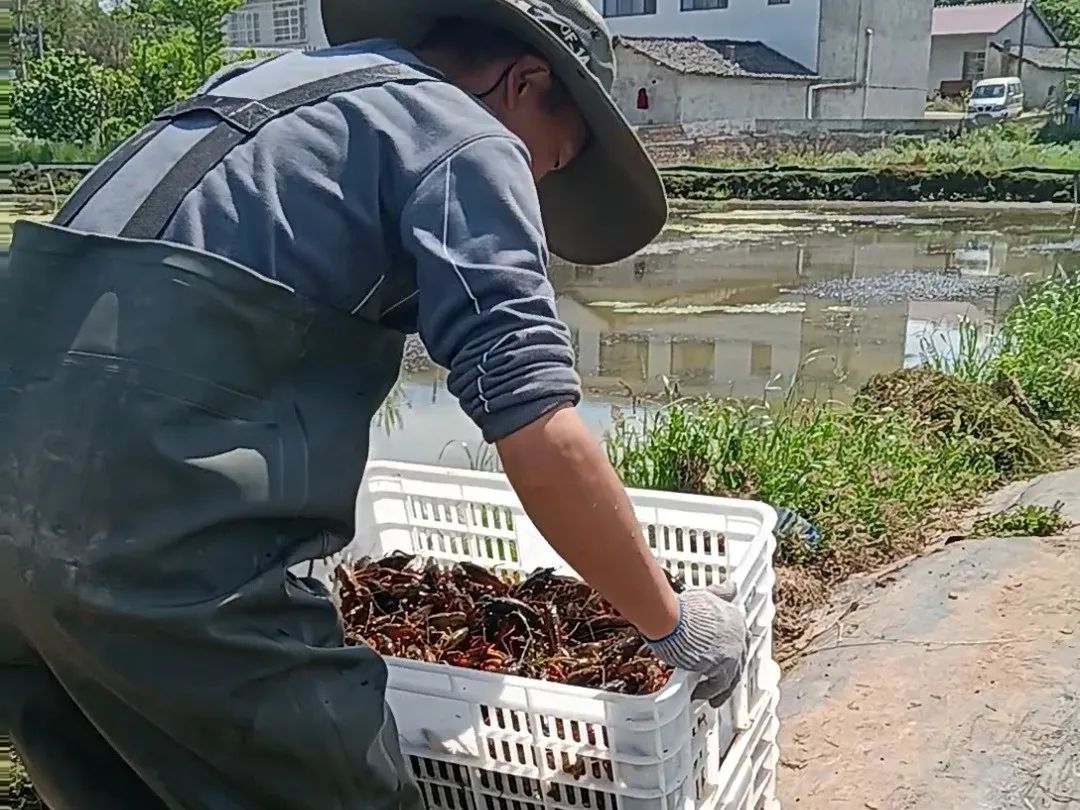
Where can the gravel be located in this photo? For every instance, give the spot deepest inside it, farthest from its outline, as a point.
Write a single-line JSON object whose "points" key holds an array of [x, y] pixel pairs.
{"points": [[908, 285]]}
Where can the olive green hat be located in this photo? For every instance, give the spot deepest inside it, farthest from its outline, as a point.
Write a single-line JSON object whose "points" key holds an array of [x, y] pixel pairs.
{"points": [[609, 202]]}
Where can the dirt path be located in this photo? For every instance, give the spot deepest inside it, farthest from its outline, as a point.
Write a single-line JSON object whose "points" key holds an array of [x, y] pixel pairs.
{"points": [[955, 683]]}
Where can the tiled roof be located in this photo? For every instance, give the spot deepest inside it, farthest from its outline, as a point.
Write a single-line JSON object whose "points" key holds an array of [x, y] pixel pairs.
{"points": [[717, 57], [981, 18], [1048, 58]]}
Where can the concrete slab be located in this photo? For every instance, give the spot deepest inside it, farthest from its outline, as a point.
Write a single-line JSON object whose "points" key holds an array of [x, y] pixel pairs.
{"points": [[956, 685]]}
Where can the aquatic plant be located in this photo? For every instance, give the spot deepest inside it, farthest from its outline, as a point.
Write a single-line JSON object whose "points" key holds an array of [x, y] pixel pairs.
{"points": [[952, 406]]}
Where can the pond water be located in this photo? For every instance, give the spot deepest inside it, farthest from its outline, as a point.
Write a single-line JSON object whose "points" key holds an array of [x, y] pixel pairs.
{"points": [[734, 300]]}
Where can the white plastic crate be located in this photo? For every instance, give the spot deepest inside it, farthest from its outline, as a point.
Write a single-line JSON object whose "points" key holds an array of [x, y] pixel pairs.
{"points": [[484, 741]]}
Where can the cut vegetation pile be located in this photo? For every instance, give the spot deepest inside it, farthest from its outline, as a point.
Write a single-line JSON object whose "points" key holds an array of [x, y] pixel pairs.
{"points": [[953, 408]]}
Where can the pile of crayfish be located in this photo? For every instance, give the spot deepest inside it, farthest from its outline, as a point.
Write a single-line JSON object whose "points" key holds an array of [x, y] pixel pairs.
{"points": [[546, 626]]}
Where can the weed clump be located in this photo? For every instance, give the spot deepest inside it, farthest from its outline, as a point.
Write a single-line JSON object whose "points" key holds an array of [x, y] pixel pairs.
{"points": [[865, 479], [1041, 348], [1023, 521], [957, 409]]}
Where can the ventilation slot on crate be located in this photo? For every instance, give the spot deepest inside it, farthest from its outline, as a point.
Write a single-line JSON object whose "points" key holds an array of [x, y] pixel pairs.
{"points": [[444, 797], [578, 797], [526, 790], [479, 532], [578, 766], [574, 731]]}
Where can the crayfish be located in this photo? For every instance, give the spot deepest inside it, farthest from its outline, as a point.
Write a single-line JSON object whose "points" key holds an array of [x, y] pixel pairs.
{"points": [[545, 626]]}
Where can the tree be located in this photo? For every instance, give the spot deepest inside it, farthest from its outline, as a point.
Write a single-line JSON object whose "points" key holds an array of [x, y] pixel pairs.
{"points": [[1063, 16], [204, 19], [61, 99], [164, 69]]}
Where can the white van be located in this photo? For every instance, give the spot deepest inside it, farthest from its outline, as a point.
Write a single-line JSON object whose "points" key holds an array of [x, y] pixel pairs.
{"points": [[996, 99]]}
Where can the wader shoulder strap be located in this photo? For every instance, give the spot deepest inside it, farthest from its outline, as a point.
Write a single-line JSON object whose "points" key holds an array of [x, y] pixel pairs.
{"points": [[240, 118], [105, 170]]}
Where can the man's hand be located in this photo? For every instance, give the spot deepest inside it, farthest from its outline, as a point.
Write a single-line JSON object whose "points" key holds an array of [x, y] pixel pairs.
{"points": [[711, 638]]}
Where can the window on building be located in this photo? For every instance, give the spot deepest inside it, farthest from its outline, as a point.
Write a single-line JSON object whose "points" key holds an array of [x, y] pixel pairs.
{"points": [[779, 2], [642, 98], [761, 359], [243, 29], [290, 21], [703, 5], [974, 65], [628, 8]]}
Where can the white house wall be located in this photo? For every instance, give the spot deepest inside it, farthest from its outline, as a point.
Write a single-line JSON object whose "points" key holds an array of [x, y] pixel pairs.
{"points": [[663, 86], [900, 57], [1036, 33], [687, 99], [710, 98], [264, 10], [947, 57], [790, 29]]}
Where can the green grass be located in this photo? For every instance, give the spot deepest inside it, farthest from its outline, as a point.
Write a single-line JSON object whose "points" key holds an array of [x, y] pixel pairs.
{"points": [[986, 149], [1041, 348], [869, 475], [22, 795], [1023, 521], [31, 150], [972, 358], [863, 478]]}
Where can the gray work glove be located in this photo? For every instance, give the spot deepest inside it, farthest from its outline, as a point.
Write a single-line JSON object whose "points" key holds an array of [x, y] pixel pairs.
{"points": [[711, 638]]}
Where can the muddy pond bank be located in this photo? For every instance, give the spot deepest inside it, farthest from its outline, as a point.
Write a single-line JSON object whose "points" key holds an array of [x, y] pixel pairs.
{"points": [[702, 183], [872, 185]]}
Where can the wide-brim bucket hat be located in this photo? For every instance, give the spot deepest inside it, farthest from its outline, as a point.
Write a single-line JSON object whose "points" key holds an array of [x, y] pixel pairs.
{"points": [[608, 202]]}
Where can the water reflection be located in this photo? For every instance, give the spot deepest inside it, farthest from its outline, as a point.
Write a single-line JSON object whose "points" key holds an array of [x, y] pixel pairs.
{"points": [[712, 306], [722, 319]]}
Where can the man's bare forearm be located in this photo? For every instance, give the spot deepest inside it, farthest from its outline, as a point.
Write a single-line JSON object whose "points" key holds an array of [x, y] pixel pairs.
{"points": [[575, 499]]}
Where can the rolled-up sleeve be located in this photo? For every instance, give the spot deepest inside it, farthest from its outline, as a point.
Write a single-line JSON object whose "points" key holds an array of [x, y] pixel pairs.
{"points": [[486, 307]]}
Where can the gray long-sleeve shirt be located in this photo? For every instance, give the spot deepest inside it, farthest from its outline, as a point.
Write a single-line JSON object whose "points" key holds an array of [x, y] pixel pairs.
{"points": [[406, 205]]}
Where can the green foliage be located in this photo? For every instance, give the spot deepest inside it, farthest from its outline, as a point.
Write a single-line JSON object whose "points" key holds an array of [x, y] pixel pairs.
{"points": [[972, 358], [1041, 348], [163, 70], [1058, 134], [1023, 521], [201, 20], [1063, 16], [913, 441], [871, 185], [864, 478], [22, 792], [104, 73], [982, 149], [38, 151], [62, 98]]}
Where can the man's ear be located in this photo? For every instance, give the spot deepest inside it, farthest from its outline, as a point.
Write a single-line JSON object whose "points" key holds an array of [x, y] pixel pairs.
{"points": [[530, 76]]}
